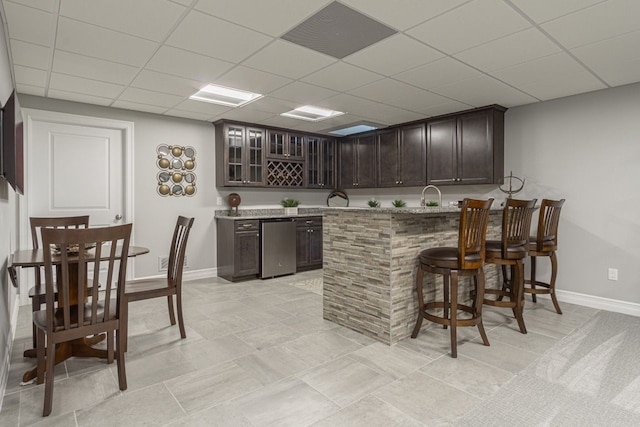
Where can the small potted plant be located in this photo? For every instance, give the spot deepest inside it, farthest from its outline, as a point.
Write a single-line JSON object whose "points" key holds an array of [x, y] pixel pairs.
{"points": [[290, 206], [399, 203], [373, 203], [432, 203]]}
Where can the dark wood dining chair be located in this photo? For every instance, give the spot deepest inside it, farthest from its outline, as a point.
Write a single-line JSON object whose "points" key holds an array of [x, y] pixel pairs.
{"points": [[164, 287], [511, 252], [37, 292], [545, 244], [82, 309], [467, 259]]}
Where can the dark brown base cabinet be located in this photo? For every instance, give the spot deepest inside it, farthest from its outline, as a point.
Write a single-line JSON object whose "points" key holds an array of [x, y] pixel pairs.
{"points": [[309, 243], [466, 148], [238, 249]]}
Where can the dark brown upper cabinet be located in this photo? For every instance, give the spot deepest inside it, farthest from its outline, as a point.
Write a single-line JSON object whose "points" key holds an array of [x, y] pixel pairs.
{"points": [[466, 148], [285, 145], [242, 151], [402, 157], [357, 160], [321, 162]]}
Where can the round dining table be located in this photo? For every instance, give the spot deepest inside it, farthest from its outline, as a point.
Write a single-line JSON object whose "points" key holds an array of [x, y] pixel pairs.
{"points": [[34, 258]]}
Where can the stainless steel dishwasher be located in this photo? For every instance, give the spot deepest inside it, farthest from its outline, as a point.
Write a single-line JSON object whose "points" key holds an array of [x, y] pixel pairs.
{"points": [[277, 247]]}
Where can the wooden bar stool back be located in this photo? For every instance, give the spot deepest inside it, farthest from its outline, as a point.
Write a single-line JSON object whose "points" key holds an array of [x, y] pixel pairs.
{"points": [[545, 244], [511, 251], [37, 292], [452, 262]]}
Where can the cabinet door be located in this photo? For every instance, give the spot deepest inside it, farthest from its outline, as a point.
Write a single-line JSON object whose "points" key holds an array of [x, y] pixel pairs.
{"points": [[328, 163], [366, 162], [475, 148], [314, 171], [315, 245], [347, 172], [294, 149], [247, 253], [441, 151], [388, 159], [234, 155], [413, 165], [276, 144], [254, 150]]}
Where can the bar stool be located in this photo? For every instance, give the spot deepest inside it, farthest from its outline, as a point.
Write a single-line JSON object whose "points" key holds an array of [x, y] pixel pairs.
{"points": [[511, 251], [544, 244], [452, 262]]}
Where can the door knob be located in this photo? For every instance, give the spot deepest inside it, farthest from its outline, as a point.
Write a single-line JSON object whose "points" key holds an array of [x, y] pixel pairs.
{"points": [[118, 217]]}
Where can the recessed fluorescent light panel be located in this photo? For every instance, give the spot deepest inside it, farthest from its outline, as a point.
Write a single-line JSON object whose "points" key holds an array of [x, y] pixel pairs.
{"points": [[353, 129], [224, 96], [311, 113]]}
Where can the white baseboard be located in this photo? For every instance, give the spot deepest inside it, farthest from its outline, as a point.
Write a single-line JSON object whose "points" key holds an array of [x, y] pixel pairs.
{"points": [[601, 303], [206, 273]]}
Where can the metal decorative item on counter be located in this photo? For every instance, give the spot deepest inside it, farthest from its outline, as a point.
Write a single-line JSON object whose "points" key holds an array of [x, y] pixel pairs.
{"points": [[511, 191], [338, 199], [176, 176], [234, 201]]}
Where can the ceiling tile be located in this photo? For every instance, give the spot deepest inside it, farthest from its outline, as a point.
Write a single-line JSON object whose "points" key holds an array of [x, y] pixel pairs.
{"points": [[438, 73], [342, 77], [165, 83], [247, 115], [170, 60], [93, 68], [188, 115], [284, 122], [86, 39], [257, 81], [67, 83], [603, 20], [563, 85], [370, 110], [30, 90], [539, 69], [403, 14], [126, 15], [266, 16], [214, 37], [393, 55], [288, 59], [30, 55], [613, 59], [399, 94], [28, 24], [509, 50], [142, 96], [470, 25], [46, 5], [78, 97], [30, 76], [446, 108], [138, 107], [270, 105], [302, 93], [483, 90], [544, 10], [202, 107]]}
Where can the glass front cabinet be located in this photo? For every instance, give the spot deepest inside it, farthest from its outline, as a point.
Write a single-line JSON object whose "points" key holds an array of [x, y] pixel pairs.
{"points": [[243, 151], [321, 162]]}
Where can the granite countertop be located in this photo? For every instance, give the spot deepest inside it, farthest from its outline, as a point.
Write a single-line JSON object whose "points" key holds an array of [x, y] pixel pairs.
{"points": [[410, 210], [266, 213]]}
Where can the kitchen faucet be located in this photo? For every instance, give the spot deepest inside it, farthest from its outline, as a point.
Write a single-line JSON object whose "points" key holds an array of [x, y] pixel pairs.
{"points": [[422, 201]]}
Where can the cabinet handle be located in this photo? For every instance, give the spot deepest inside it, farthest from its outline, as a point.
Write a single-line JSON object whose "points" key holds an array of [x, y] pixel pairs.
{"points": [[401, 182], [247, 226], [309, 222]]}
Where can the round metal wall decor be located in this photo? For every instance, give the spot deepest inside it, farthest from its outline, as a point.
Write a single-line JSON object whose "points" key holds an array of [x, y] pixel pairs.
{"points": [[176, 176]]}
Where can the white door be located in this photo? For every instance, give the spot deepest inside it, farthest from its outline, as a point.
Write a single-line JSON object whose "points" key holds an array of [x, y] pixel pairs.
{"points": [[76, 170], [76, 165]]}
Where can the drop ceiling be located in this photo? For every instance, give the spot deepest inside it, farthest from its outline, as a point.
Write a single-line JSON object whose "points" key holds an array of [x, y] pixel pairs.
{"points": [[442, 55]]}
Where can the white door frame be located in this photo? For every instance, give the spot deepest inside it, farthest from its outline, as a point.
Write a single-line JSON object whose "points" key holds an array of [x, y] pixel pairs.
{"points": [[24, 212]]}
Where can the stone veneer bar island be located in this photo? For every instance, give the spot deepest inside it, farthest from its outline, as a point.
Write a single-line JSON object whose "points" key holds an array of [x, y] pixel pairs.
{"points": [[370, 263]]}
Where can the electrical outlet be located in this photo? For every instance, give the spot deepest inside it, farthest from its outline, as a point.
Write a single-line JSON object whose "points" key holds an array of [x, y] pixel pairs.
{"points": [[613, 274], [219, 201]]}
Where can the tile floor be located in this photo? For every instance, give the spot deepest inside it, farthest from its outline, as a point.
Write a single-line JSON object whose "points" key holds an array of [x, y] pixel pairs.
{"points": [[258, 353]]}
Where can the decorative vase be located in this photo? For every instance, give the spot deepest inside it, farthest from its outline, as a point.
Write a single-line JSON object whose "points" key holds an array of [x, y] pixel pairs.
{"points": [[291, 211]]}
